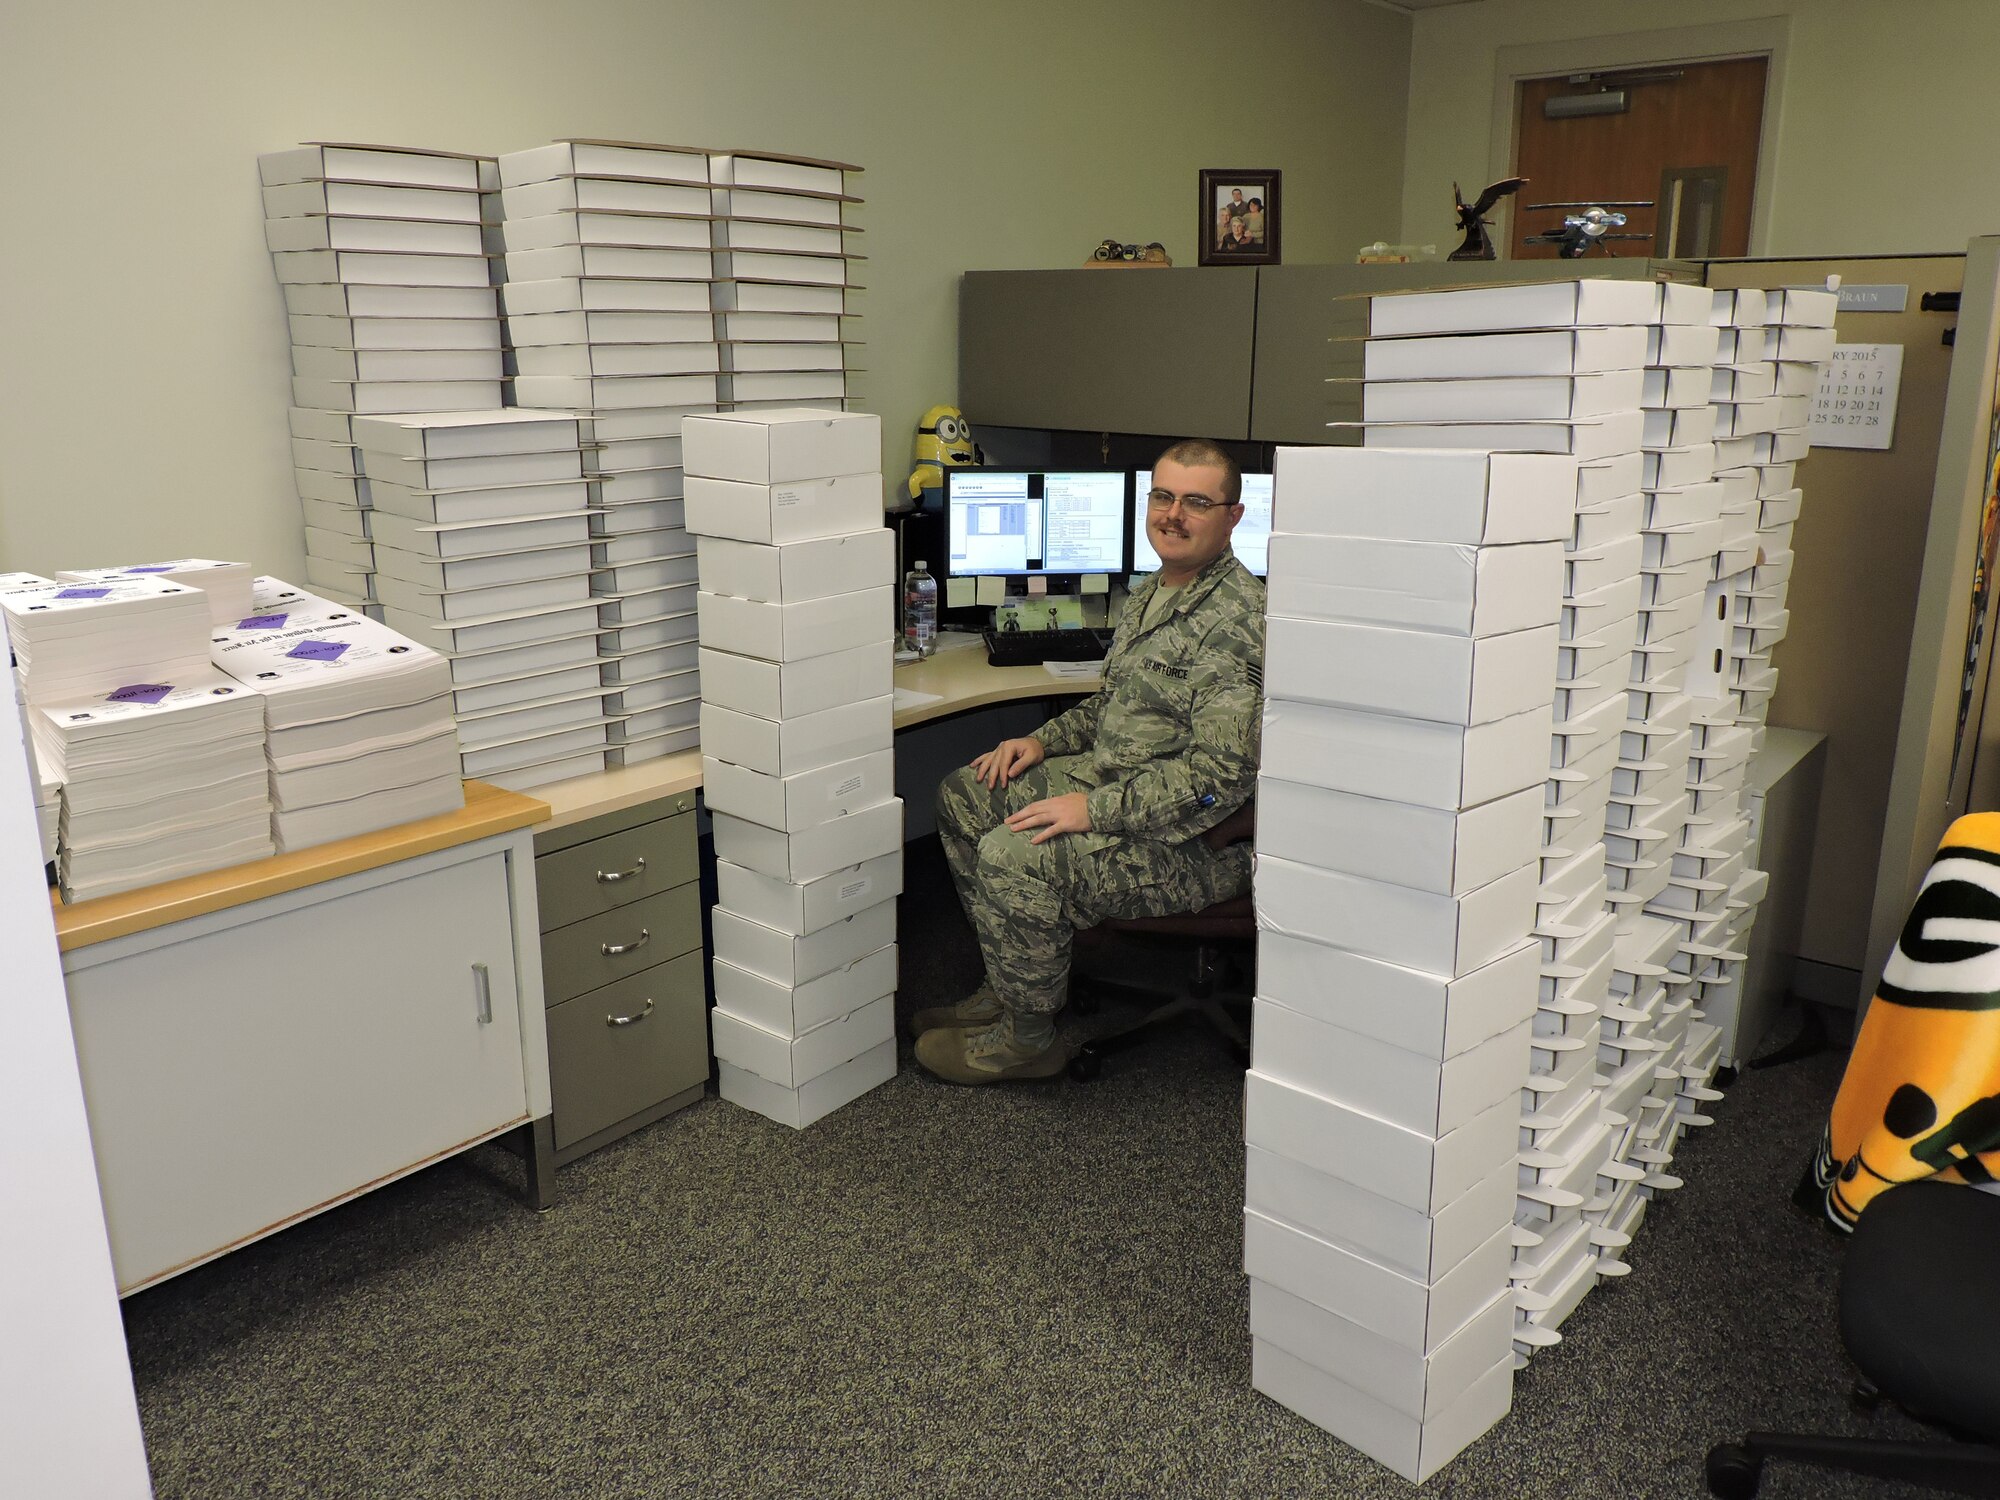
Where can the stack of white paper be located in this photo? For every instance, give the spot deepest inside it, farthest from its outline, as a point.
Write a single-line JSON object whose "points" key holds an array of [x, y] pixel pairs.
{"points": [[1413, 636], [798, 767], [482, 537], [161, 779], [357, 717], [384, 257], [783, 265], [48, 790], [73, 641], [227, 584]]}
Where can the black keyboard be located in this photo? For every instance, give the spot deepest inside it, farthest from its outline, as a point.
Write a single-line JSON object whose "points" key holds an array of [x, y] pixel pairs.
{"points": [[1030, 648]]}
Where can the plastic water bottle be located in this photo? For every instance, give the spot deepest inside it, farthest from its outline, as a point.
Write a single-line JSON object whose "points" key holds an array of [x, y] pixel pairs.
{"points": [[920, 610]]}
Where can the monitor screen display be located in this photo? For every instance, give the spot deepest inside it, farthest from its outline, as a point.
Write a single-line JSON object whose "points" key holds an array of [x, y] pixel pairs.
{"points": [[1251, 540], [1012, 521]]}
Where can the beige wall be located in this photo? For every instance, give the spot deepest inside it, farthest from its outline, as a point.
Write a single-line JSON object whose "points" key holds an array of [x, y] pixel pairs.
{"points": [[1884, 140], [142, 336]]}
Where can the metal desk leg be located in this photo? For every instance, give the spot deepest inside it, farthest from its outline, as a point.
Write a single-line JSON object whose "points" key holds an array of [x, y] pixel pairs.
{"points": [[538, 1158]]}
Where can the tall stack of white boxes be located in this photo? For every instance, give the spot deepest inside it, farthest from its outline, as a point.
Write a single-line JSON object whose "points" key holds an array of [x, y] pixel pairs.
{"points": [[609, 265], [1685, 411], [782, 268], [1410, 663], [382, 252], [798, 771], [482, 544]]}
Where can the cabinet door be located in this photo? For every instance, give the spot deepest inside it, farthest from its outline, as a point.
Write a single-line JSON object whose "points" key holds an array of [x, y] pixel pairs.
{"points": [[255, 1074]]}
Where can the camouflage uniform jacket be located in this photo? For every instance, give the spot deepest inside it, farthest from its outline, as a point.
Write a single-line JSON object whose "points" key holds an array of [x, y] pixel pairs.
{"points": [[1169, 745]]}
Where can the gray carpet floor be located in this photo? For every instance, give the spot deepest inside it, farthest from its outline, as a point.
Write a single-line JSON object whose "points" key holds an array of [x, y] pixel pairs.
{"points": [[940, 1292]]}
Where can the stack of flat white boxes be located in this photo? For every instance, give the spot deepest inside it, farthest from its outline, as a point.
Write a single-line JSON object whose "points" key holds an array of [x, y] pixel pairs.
{"points": [[482, 538], [782, 268], [1410, 664], [382, 252], [607, 297], [48, 787], [798, 767]]}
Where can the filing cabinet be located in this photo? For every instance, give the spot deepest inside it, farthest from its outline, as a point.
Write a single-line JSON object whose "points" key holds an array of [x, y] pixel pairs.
{"points": [[622, 971]]}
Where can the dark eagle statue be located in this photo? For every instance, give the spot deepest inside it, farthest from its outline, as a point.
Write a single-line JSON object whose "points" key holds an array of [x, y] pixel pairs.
{"points": [[1473, 221]]}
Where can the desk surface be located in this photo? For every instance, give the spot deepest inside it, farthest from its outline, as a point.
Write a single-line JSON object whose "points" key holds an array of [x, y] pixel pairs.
{"points": [[488, 810], [959, 679]]}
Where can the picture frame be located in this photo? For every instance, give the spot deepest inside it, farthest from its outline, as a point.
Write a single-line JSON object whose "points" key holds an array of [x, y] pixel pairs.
{"points": [[1240, 217]]}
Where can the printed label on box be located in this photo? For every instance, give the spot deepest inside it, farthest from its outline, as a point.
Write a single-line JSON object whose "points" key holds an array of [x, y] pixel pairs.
{"points": [[782, 498], [140, 692], [855, 888], [846, 788]]}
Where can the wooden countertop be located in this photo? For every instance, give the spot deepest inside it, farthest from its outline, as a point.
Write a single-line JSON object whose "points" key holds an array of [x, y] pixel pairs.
{"points": [[488, 810]]}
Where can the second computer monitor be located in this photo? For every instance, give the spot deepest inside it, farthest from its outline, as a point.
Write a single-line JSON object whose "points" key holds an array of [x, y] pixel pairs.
{"points": [[1251, 540], [1013, 521]]}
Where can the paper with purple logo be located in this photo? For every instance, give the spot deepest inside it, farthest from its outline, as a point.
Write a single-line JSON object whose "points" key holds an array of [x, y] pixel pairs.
{"points": [[263, 622], [319, 650], [140, 692], [84, 594]]}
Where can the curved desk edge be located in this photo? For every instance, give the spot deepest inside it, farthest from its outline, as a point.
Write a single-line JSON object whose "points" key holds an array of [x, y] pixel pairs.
{"points": [[488, 811]]}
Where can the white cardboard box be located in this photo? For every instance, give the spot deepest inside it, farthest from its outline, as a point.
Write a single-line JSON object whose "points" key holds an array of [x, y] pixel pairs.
{"points": [[811, 852], [1447, 935], [1454, 589], [819, 1097], [793, 572], [791, 959], [1583, 438], [1407, 760], [1563, 351], [791, 632], [1422, 1386], [1521, 398], [793, 1010], [1469, 498], [787, 690], [1548, 304], [1405, 1166], [793, 803], [1422, 1245], [1409, 1009], [1430, 849], [803, 907], [1414, 1315], [1376, 669], [404, 167], [792, 1062], [1415, 1450], [787, 511], [783, 445], [1427, 1095], [789, 747]]}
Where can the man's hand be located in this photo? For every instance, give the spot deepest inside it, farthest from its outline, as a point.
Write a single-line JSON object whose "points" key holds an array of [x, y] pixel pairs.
{"points": [[1069, 813], [1007, 760]]}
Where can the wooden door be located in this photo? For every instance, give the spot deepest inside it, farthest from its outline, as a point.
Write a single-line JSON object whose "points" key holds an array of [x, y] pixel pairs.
{"points": [[1687, 138]]}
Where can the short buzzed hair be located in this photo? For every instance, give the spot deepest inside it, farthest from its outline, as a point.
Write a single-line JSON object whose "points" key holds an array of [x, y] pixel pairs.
{"points": [[1200, 453]]}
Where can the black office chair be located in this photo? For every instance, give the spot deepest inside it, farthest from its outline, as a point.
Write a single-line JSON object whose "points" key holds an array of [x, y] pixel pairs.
{"points": [[1920, 1317], [1222, 936]]}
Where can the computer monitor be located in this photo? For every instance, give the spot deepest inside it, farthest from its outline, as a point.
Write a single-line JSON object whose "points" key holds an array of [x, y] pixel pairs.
{"points": [[1251, 540], [1014, 521]]}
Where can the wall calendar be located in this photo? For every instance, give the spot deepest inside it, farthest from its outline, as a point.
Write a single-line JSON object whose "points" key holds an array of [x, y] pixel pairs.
{"points": [[1855, 405]]}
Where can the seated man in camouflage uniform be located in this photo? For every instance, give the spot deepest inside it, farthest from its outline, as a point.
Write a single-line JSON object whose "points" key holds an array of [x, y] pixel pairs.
{"points": [[1100, 814]]}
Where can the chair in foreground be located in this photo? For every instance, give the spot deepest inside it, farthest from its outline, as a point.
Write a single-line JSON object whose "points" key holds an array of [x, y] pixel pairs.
{"points": [[1920, 1317], [1219, 936]]}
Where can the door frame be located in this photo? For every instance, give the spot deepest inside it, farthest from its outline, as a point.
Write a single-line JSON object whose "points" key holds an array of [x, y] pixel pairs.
{"points": [[1768, 38]]}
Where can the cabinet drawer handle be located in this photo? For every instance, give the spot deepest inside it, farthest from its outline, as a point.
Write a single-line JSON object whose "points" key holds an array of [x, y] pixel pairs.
{"points": [[632, 1020], [612, 877], [612, 950], [482, 994]]}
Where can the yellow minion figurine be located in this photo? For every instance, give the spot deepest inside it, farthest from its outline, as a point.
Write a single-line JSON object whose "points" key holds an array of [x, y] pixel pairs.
{"points": [[944, 441]]}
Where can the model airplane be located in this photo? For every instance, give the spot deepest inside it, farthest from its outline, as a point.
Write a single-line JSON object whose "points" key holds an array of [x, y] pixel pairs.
{"points": [[1593, 223], [1472, 218]]}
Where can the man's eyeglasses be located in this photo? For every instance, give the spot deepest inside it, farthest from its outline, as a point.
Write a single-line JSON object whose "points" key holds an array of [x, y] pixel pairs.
{"points": [[1194, 505]]}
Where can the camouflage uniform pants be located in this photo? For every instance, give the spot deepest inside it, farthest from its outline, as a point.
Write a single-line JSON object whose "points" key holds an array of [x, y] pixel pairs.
{"points": [[1027, 900]]}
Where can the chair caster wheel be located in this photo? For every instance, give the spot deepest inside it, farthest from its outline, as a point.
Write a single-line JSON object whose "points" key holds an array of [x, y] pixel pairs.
{"points": [[1086, 1064], [1865, 1397], [1733, 1471]]}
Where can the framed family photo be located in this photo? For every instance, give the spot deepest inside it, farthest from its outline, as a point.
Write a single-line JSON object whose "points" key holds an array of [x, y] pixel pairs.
{"points": [[1239, 217]]}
